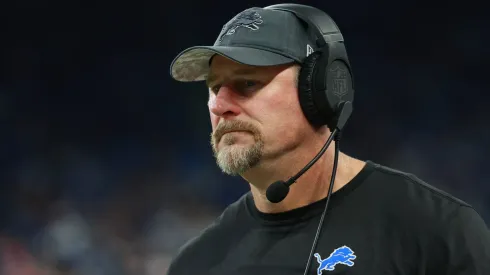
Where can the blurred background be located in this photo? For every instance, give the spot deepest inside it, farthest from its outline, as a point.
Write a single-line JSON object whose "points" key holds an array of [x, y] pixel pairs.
{"points": [[106, 166]]}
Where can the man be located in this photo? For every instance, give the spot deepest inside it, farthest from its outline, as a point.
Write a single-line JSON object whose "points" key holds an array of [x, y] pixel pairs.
{"points": [[379, 220]]}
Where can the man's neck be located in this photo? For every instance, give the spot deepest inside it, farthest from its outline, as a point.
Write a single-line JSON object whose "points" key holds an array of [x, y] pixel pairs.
{"points": [[310, 187]]}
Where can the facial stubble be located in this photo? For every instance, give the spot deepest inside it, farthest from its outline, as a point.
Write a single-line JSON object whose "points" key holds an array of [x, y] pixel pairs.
{"points": [[235, 159]]}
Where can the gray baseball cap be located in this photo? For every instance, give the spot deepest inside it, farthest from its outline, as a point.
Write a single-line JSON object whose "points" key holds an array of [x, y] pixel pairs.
{"points": [[255, 36]]}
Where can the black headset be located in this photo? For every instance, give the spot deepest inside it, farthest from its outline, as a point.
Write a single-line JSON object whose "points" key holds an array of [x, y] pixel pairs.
{"points": [[326, 92], [325, 78]]}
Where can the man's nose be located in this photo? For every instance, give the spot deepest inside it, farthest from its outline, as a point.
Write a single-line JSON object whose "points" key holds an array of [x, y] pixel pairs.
{"points": [[224, 104]]}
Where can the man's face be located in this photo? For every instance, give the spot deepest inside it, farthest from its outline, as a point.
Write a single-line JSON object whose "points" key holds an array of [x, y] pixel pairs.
{"points": [[255, 114]]}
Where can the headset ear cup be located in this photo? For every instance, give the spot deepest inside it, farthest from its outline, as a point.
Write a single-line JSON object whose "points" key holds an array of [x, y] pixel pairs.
{"points": [[305, 89]]}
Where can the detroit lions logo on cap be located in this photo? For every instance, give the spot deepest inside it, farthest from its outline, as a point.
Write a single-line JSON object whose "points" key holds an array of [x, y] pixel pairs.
{"points": [[249, 19], [342, 255]]}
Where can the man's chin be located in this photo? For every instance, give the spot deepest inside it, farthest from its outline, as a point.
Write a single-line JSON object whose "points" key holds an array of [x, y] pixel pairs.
{"points": [[237, 159]]}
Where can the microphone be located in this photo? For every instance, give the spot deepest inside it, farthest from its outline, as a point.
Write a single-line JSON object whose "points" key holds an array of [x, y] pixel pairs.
{"points": [[278, 190]]}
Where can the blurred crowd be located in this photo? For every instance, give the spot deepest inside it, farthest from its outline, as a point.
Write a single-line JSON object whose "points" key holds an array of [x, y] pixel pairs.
{"points": [[106, 166]]}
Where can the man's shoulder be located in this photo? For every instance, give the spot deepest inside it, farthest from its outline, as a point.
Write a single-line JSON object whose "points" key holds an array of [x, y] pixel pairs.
{"points": [[411, 202], [435, 219], [207, 243], [408, 187]]}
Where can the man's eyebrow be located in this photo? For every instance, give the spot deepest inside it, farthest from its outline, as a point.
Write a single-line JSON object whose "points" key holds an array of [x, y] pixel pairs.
{"points": [[238, 72]]}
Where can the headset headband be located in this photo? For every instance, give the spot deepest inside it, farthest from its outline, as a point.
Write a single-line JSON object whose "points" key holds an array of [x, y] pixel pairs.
{"points": [[325, 29]]}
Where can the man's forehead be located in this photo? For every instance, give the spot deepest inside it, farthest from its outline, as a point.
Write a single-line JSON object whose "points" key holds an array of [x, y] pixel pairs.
{"points": [[227, 68], [213, 74], [222, 67]]}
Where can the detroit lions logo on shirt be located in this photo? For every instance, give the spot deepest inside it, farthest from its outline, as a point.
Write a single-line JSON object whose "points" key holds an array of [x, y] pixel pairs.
{"points": [[342, 255], [247, 19]]}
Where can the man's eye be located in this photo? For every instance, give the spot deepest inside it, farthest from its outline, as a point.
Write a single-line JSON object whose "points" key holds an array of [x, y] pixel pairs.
{"points": [[239, 86], [247, 85], [215, 88]]}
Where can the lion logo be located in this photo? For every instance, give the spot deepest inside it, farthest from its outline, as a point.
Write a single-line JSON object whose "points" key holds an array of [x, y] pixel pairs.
{"points": [[342, 255], [248, 19]]}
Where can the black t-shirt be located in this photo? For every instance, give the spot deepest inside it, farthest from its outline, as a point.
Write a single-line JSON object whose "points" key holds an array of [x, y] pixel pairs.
{"points": [[383, 222]]}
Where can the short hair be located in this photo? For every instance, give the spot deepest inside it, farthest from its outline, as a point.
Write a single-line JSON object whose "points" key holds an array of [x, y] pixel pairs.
{"points": [[297, 67]]}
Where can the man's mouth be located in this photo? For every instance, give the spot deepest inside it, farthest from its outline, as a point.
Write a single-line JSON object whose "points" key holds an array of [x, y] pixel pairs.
{"points": [[232, 131]]}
